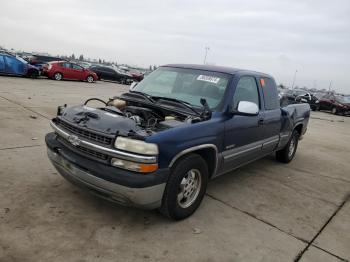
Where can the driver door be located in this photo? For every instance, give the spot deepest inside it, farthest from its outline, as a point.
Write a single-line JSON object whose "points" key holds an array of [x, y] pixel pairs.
{"points": [[243, 134]]}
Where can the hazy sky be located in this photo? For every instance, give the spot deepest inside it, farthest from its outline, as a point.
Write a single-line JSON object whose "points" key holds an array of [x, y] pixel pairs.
{"points": [[276, 37]]}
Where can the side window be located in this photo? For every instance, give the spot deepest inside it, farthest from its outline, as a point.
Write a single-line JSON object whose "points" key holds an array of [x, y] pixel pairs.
{"points": [[246, 90], [2, 63], [76, 67], [270, 93], [65, 65]]}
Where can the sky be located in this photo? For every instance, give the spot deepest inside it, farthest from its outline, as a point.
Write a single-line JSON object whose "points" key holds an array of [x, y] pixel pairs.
{"points": [[277, 37]]}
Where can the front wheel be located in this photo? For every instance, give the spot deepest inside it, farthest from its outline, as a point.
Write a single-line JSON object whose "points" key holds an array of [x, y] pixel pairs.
{"points": [[334, 111], [286, 154], [90, 79], [186, 187]]}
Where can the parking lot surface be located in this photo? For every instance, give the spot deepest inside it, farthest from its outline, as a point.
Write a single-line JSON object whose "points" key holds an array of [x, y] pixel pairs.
{"points": [[266, 211]]}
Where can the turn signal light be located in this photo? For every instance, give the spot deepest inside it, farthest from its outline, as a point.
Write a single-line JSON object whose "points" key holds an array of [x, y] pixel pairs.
{"points": [[137, 167]]}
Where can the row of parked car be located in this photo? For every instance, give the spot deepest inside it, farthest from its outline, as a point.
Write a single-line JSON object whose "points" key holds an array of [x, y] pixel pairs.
{"points": [[58, 69], [337, 104]]}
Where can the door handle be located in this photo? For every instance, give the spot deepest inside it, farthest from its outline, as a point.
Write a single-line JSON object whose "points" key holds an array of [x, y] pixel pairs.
{"points": [[261, 122]]}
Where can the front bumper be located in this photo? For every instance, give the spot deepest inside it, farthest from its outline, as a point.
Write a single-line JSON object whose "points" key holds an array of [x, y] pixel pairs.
{"points": [[120, 186]]}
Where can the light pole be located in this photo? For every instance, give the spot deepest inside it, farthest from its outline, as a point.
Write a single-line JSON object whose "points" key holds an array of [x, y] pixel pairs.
{"points": [[207, 48], [295, 75]]}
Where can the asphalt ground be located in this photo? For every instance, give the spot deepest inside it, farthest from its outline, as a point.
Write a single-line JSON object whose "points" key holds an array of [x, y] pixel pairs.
{"points": [[266, 211]]}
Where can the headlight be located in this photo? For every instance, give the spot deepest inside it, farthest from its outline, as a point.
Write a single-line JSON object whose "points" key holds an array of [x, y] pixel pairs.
{"points": [[317, 101], [136, 146]]}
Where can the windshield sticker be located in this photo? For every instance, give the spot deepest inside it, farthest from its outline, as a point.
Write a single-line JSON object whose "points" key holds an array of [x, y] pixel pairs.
{"points": [[211, 79]]}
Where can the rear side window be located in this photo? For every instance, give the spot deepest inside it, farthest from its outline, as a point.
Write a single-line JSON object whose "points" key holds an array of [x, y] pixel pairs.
{"points": [[270, 93], [246, 90], [65, 65]]}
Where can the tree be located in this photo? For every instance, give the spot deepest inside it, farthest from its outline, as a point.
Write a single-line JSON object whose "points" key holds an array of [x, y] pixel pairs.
{"points": [[99, 61], [81, 58], [72, 57]]}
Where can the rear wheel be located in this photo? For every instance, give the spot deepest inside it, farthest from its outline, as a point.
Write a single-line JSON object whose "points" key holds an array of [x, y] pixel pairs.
{"points": [[57, 76], [185, 188], [286, 154], [90, 79]]}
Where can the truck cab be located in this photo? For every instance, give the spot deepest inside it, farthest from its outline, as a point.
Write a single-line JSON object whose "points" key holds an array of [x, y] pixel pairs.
{"points": [[159, 144]]}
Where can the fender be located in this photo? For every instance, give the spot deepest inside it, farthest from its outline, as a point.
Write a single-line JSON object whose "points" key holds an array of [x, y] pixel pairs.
{"points": [[193, 149]]}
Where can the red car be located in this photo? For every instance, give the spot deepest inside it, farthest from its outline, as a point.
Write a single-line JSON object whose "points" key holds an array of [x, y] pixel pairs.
{"points": [[59, 70], [336, 104]]}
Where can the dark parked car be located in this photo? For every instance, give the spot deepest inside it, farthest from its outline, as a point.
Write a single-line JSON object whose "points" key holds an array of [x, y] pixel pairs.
{"points": [[65, 70], [337, 104], [12, 65], [158, 145], [297, 96], [112, 74], [41, 60]]}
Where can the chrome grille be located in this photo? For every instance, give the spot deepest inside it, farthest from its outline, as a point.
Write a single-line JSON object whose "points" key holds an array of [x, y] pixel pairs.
{"points": [[84, 150], [84, 133]]}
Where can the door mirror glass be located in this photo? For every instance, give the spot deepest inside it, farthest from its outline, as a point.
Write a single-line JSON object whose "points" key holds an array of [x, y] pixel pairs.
{"points": [[247, 108]]}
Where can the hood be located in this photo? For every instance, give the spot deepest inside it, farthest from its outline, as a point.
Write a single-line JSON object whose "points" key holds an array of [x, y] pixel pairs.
{"points": [[32, 67], [100, 121]]}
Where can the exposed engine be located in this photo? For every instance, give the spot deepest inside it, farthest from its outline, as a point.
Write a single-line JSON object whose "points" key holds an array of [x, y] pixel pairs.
{"points": [[149, 119]]}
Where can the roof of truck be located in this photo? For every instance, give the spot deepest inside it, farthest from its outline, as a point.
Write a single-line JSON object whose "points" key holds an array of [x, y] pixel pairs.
{"points": [[220, 69]]}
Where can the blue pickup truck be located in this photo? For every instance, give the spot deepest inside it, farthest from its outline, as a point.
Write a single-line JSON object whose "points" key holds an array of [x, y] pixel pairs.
{"points": [[159, 144]]}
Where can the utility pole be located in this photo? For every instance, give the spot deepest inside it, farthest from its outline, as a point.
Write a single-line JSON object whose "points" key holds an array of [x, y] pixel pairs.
{"points": [[330, 85], [295, 75], [207, 48]]}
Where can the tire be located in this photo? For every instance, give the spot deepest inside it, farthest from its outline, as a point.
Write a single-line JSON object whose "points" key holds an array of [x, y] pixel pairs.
{"points": [[90, 79], [57, 76], [185, 188], [334, 111], [33, 75], [286, 154]]}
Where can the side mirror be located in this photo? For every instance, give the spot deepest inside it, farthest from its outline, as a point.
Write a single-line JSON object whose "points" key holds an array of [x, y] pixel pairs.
{"points": [[132, 86], [247, 108]]}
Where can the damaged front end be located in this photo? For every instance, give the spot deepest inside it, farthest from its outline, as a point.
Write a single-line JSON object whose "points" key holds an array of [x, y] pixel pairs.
{"points": [[115, 134]]}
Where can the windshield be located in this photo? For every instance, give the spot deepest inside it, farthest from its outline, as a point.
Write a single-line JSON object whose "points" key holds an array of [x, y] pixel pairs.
{"points": [[21, 59], [343, 99], [188, 85]]}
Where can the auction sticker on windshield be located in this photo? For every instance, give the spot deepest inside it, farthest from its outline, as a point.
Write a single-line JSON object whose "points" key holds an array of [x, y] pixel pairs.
{"points": [[211, 79]]}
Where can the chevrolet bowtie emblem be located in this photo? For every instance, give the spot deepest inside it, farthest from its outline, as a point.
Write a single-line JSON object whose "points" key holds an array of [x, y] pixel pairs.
{"points": [[74, 140]]}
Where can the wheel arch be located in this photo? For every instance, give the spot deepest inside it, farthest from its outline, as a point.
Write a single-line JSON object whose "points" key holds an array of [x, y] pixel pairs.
{"points": [[299, 128], [54, 73], [208, 152]]}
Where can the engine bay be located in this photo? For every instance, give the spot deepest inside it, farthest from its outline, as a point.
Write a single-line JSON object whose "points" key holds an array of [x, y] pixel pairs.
{"points": [[151, 119]]}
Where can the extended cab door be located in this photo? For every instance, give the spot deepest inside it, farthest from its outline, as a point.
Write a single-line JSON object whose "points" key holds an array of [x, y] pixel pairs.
{"points": [[272, 115], [243, 134]]}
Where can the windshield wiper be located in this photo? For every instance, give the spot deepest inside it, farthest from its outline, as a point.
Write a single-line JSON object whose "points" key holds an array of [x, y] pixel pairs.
{"points": [[148, 97], [184, 103]]}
